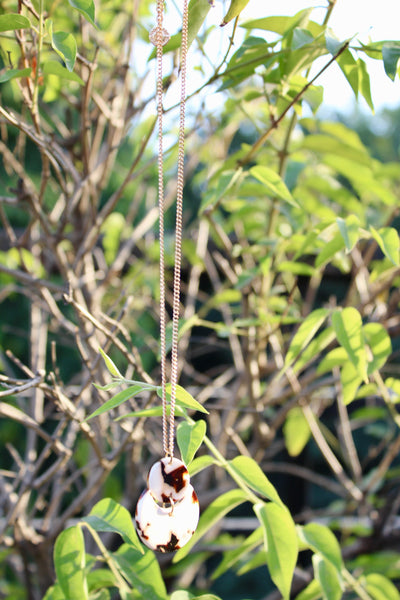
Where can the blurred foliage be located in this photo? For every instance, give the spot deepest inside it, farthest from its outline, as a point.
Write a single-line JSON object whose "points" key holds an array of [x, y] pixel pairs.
{"points": [[289, 335]]}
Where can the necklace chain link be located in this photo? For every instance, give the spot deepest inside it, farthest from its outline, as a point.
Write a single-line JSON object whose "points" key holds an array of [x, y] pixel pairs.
{"points": [[160, 37]]}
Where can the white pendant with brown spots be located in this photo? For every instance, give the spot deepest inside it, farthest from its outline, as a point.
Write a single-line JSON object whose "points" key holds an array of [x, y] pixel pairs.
{"points": [[167, 512]]}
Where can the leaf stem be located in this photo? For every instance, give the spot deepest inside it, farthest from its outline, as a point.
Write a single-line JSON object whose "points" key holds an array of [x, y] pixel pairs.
{"points": [[228, 468], [108, 558]]}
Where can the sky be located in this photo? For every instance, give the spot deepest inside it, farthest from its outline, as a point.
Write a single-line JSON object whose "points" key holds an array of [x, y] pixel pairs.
{"points": [[363, 20], [374, 20]]}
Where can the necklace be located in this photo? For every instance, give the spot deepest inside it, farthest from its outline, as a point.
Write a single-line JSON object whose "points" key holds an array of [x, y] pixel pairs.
{"points": [[167, 512]]}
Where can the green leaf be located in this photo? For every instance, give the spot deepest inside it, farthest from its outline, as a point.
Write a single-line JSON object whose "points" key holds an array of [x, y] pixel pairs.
{"points": [[207, 597], [231, 557], [54, 593], [181, 595], [213, 513], [183, 398], [273, 184], [52, 67], [311, 592], [328, 578], [347, 324], [69, 563], [86, 8], [351, 380], [277, 24], [380, 587], [305, 334], [235, 8], [391, 55], [314, 348], [113, 370], [108, 515], [378, 339], [349, 67], [350, 230], [12, 21], [322, 540], [122, 397], [281, 544], [100, 578], [250, 472], [388, 240], [333, 44], [296, 267], [190, 436], [335, 358], [365, 83], [14, 74], [329, 250], [142, 571], [225, 182], [65, 46], [152, 411], [296, 431], [200, 463]]}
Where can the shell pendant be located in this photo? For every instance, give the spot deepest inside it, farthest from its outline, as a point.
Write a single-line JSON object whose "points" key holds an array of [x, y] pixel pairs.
{"points": [[167, 512]]}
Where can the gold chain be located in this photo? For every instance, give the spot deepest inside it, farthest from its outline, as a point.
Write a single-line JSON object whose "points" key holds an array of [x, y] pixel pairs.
{"points": [[159, 37]]}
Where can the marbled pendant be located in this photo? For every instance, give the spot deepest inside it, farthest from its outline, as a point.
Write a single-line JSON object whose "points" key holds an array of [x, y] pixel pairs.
{"points": [[167, 512]]}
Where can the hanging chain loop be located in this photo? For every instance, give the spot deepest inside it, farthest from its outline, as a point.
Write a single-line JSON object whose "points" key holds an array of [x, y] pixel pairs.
{"points": [[159, 36]]}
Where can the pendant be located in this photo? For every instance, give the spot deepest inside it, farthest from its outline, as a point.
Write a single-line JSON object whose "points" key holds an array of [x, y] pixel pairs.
{"points": [[167, 512]]}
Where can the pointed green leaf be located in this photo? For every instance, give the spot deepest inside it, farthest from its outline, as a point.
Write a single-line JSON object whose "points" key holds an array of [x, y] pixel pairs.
{"points": [[181, 595], [108, 515], [281, 544], [112, 368], [350, 231], [347, 324], [120, 398], [254, 477], [296, 431], [142, 571], [183, 398], [235, 8], [305, 334], [349, 67], [12, 21], [14, 74], [329, 250], [207, 597], [54, 593], [335, 358], [65, 46], [380, 587], [231, 557], [315, 348], [52, 67], [86, 8], [321, 540], [152, 411], [311, 592], [200, 463], [328, 578], [388, 240], [213, 513], [351, 380], [69, 563], [190, 436], [273, 183], [391, 55], [378, 339], [365, 83]]}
